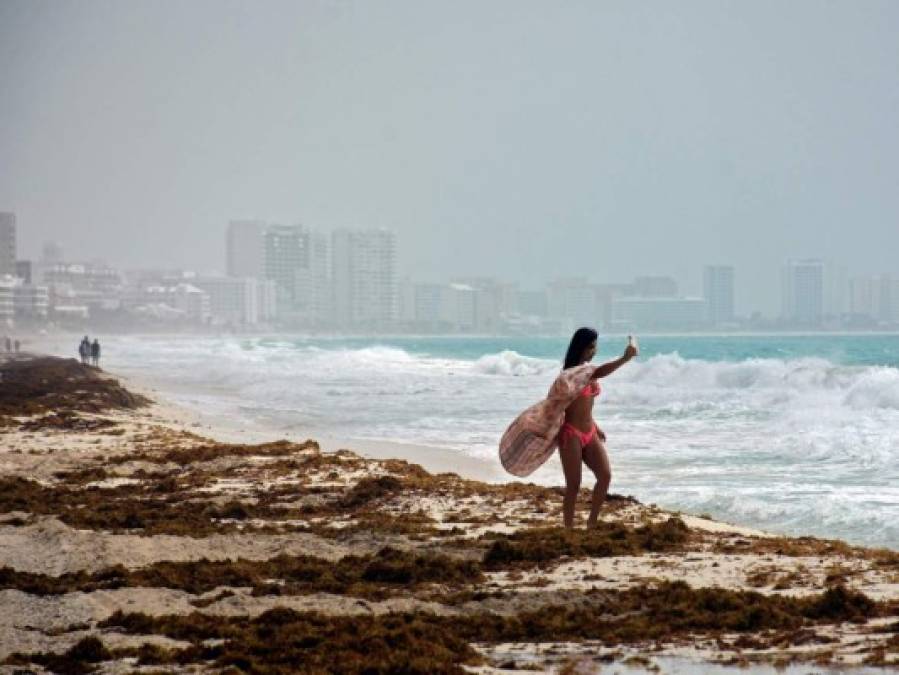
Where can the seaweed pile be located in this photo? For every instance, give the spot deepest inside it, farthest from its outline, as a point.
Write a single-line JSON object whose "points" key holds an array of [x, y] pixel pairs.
{"points": [[50, 384], [282, 640]]}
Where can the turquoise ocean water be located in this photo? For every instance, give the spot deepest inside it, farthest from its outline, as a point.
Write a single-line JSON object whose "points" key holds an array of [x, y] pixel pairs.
{"points": [[797, 434]]}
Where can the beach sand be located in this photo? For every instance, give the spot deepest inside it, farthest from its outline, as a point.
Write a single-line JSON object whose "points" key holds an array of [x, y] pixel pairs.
{"points": [[136, 534]]}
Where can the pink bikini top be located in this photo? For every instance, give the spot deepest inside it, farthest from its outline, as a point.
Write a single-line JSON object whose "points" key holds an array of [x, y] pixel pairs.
{"points": [[591, 389]]}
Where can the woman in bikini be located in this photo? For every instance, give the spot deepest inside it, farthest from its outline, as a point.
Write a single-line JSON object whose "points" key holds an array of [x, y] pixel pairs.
{"points": [[580, 440]]}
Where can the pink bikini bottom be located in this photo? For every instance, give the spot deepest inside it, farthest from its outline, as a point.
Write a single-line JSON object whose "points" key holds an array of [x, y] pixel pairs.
{"points": [[568, 431]]}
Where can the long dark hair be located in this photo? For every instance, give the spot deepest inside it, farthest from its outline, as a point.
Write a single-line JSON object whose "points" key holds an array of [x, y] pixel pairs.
{"points": [[582, 338]]}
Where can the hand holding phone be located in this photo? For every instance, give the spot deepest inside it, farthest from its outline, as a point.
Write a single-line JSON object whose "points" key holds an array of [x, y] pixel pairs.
{"points": [[632, 349]]}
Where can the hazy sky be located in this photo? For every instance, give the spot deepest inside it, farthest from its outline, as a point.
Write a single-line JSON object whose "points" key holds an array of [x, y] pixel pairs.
{"points": [[526, 140]]}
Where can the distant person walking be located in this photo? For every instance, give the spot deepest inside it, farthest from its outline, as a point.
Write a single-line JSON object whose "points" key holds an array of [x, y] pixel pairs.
{"points": [[8, 344], [84, 350], [17, 344], [95, 353]]}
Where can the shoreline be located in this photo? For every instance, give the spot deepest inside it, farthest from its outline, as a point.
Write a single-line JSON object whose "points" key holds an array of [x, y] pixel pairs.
{"points": [[433, 458], [218, 427], [237, 425], [131, 536]]}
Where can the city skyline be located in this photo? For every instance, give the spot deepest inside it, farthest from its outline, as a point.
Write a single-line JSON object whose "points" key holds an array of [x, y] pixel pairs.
{"points": [[692, 283], [696, 286], [281, 277], [548, 146]]}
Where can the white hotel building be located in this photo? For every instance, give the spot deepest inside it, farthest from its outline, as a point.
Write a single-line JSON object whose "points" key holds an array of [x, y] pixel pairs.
{"points": [[363, 275]]}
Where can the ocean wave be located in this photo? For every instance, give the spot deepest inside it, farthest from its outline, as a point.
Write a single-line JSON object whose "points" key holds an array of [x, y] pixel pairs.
{"points": [[669, 381], [878, 384], [833, 513], [512, 363], [315, 361], [377, 355], [875, 388]]}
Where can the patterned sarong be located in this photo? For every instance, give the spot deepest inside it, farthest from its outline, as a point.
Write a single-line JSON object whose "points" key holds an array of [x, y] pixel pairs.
{"points": [[534, 435]]}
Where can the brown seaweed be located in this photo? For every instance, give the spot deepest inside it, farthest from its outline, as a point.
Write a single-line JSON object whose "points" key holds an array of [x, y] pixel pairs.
{"points": [[633, 616], [541, 545], [389, 571], [50, 384], [82, 657]]}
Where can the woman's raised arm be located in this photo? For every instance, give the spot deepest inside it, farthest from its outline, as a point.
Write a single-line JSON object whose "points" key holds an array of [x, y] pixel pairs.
{"points": [[610, 367]]}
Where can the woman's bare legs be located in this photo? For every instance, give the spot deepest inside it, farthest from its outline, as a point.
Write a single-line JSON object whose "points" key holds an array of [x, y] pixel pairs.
{"points": [[596, 458], [571, 455]]}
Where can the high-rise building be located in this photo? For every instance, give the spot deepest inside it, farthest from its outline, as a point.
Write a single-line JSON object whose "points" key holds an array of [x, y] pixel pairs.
{"points": [[267, 299], [887, 299], [287, 256], [363, 274], [420, 305], [25, 270], [312, 281], [874, 299], [654, 287], [232, 300], [836, 289], [245, 249], [292, 257], [718, 287], [458, 307], [863, 297], [7, 243], [803, 291]]}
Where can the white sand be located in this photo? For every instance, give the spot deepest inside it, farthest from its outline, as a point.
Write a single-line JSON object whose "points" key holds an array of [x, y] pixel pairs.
{"points": [[51, 547]]}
